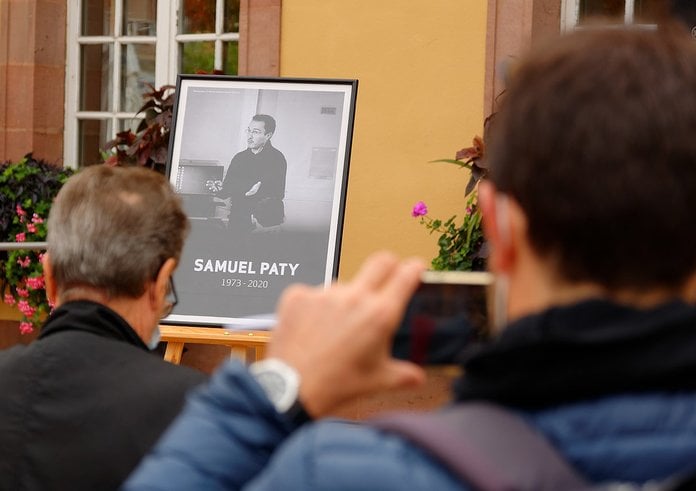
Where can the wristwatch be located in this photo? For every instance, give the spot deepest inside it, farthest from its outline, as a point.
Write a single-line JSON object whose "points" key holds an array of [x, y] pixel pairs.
{"points": [[281, 383]]}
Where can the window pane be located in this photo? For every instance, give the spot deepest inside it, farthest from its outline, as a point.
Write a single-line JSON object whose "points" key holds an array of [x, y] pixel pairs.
{"points": [[95, 90], [97, 17], [649, 11], [137, 69], [93, 135], [140, 18], [197, 16], [197, 57], [231, 19], [128, 124], [230, 54], [605, 8]]}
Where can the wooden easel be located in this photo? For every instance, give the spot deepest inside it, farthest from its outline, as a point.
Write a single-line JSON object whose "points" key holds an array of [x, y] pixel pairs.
{"points": [[247, 346]]}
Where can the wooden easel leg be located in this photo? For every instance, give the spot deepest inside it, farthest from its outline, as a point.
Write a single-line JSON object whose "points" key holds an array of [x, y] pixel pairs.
{"points": [[173, 352], [240, 353]]}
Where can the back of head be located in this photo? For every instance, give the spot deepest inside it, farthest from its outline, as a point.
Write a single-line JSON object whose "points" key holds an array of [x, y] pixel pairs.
{"points": [[112, 228], [596, 140]]}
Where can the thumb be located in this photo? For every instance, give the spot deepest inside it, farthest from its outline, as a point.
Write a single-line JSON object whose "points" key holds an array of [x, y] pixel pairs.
{"points": [[400, 374]]}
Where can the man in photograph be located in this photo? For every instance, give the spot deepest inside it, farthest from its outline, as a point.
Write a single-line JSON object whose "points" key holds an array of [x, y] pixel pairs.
{"points": [[255, 180]]}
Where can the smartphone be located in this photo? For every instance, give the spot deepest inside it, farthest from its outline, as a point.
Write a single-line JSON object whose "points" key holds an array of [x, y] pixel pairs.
{"points": [[448, 311]]}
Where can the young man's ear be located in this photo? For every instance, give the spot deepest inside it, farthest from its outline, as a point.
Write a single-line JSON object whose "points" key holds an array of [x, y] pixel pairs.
{"points": [[495, 211], [689, 289]]}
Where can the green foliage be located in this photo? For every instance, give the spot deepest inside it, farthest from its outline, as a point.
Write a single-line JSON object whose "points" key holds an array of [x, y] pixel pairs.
{"points": [[27, 190], [461, 247]]}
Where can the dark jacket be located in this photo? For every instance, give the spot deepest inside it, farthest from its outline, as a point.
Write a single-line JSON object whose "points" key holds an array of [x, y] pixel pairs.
{"points": [[268, 167], [81, 405], [612, 388]]}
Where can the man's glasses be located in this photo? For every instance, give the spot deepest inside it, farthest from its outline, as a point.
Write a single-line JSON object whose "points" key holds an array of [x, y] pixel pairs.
{"points": [[255, 131], [170, 300]]}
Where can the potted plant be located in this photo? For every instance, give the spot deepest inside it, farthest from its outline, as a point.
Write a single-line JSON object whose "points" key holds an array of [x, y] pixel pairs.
{"points": [[27, 190], [148, 146], [462, 247]]}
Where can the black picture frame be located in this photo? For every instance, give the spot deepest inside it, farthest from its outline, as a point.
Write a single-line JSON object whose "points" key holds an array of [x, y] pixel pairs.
{"points": [[247, 243]]}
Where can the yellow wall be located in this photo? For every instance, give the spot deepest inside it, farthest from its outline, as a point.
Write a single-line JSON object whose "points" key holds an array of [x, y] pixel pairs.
{"points": [[420, 67]]}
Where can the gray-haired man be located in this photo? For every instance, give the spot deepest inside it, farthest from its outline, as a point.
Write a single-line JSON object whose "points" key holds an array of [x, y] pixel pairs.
{"points": [[83, 403]]}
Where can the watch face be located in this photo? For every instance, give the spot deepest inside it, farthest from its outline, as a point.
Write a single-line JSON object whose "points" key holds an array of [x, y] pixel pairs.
{"points": [[273, 384], [278, 380]]}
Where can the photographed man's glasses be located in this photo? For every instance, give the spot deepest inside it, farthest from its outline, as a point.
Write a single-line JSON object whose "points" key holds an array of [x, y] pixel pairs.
{"points": [[255, 131], [170, 300]]}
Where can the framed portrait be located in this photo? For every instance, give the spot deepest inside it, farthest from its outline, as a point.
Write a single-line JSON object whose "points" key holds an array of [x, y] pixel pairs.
{"points": [[261, 166]]}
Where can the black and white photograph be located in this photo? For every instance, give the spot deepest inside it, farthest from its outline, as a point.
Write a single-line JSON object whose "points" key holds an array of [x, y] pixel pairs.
{"points": [[261, 166]]}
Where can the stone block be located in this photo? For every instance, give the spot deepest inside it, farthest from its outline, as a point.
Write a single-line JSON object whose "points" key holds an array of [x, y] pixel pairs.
{"points": [[20, 31], [20, 97], [49, 33], [49, 95]]}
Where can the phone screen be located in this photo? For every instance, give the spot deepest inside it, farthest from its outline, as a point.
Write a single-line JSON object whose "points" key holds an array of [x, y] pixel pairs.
{"points": [[448, 311]]}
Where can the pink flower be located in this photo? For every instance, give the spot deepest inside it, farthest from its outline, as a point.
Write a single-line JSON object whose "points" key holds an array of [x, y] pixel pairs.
{"points": [[22, 292], [20, 211], [25, 262], [36, 219], [20, 237], [469, 210], [419, 209], [31, 228], [41, 255], [9, 299], [26, 327], [35, 282], [25, 308]]}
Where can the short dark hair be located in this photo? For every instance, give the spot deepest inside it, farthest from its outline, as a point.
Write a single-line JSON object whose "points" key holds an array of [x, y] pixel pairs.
{"points": [[596, 140], [684, 11], [268, 122]]}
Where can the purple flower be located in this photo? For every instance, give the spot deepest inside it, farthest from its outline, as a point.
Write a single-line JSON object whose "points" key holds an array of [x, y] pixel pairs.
{"points": [[419, 209]]}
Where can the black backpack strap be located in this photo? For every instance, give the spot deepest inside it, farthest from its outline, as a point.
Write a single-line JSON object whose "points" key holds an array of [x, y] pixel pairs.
{"points": [[487, 446]]}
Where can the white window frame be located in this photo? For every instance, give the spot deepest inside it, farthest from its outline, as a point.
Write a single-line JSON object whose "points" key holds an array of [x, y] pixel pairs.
{"points": [[218, 37], [570, 14], [166, 43]]}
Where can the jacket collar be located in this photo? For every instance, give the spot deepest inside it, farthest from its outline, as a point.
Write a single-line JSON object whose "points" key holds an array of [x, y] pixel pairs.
{"points": [[588, 350], [92, 317]]}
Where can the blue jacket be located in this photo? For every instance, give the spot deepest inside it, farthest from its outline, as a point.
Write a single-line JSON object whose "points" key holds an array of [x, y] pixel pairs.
{"points": [[639, 424], [634, 438]]}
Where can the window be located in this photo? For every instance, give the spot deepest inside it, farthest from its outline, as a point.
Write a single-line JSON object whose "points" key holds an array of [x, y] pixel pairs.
{"points": [[637, 12], [116, 47], [208, 37]]}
